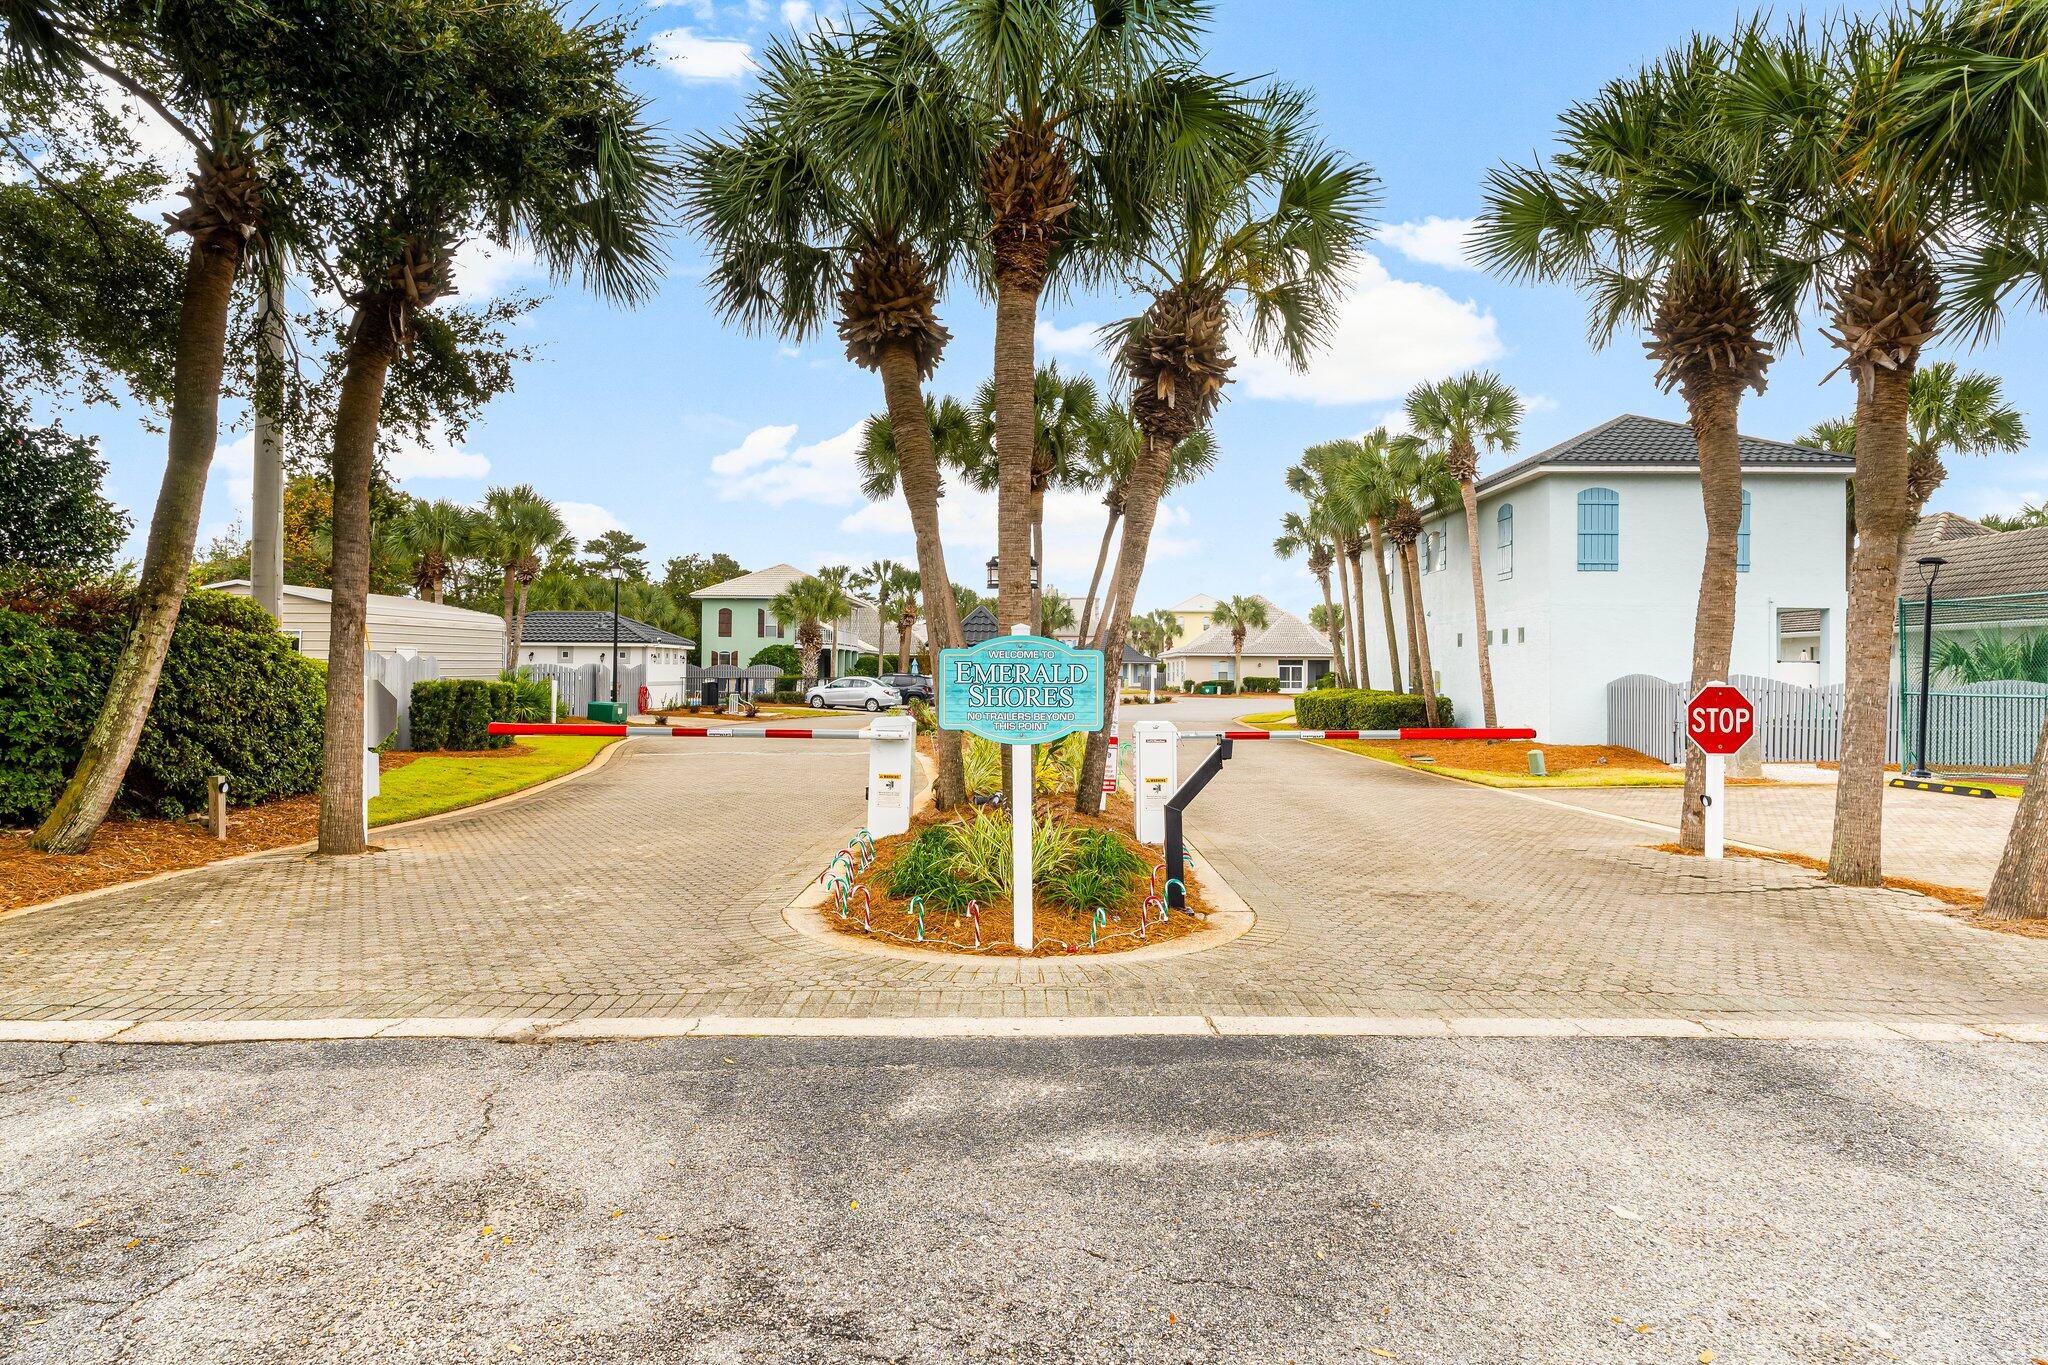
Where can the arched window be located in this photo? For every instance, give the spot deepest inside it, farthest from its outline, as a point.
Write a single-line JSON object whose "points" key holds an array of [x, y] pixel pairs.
{"points": [[724, 622], [1505, 520], [1599, 530], [1742, 537]]}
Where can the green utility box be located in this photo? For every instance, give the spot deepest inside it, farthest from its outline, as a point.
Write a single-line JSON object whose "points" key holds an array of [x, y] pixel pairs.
{"points": [[608, 712]]}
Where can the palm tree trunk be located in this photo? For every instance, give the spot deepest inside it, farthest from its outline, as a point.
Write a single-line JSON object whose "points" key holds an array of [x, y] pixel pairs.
{"points": [[1141, 509], [508, 591], [1883, 510], [1095, 582], [1364, 672], [1016, 441], [903, 625], [1471, 499], [917, 471], [2019, 889], [1714, 424], [1418, 624], [355, 456], [1379, 570], [1338, 634], [166, 562]]}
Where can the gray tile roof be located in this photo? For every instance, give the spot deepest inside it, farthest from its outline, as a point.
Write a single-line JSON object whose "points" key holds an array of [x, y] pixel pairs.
{"points": [[1799, 620], [1286, 636], [1632, 440], [1939, 530], [761, 583], [592, 628], [1991, 565]]}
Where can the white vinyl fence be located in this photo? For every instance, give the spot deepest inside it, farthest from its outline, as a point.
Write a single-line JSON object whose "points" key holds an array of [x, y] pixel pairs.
{"points": [[581, 684], [397, 670], [1982, 725]]}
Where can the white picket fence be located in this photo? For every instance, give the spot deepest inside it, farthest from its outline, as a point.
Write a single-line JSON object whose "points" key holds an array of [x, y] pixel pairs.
{"points": [[1981, 725], [578, 685], [397, 670]]}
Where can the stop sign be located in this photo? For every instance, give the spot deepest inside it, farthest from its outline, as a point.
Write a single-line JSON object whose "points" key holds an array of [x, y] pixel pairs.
{"points": [[1719, 719]]}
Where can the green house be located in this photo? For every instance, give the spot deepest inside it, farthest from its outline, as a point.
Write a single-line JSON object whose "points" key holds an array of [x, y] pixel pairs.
{"points": [[735, 624]]}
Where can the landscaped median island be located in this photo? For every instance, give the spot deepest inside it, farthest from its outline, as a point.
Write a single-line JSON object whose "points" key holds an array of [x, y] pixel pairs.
{"points": [[414, 785]]}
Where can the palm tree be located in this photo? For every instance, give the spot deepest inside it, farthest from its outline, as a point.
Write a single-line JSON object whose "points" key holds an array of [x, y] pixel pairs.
{"points": [[1900, 195], [1408, 479], [881, 470], [1301, 533], [807, 604], [1055, 613], [904, 593], [1949, 409], [1837, 434], [1662, 208], [436, 534], [1111, 453], [1258, 229], [1994, 656], [1462, 414], [840, 196], [1240, 616], [521, 531], [1351, 479], [200, 74], [1073, 100], [1155, 632], [1065, 411], [2030, 516], [879, 581]]}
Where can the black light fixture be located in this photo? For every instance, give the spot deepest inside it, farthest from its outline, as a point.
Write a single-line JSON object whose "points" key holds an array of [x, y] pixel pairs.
{"points": [[995, 572], [1930, 569]]}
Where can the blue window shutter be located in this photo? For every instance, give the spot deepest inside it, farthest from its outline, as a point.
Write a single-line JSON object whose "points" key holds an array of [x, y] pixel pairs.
{"points": [[1599, 530], [1742, 537], [1505, 520]]}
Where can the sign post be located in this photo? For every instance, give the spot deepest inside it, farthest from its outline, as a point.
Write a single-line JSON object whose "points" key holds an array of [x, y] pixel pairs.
{"points": [[1720, 720], [1020, 690]]}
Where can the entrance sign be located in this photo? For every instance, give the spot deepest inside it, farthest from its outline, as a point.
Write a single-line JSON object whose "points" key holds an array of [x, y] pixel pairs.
{"points": [[1020, 689], [1719, 720]]}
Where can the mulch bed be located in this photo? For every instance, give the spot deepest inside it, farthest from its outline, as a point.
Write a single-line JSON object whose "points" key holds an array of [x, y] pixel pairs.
{"points": [[1060, 931], [1956, 902], [128, 849], [1512, 756]]}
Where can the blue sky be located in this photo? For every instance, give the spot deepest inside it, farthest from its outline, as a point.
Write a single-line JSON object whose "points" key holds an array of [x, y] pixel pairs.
{"points": [[696, 438]]}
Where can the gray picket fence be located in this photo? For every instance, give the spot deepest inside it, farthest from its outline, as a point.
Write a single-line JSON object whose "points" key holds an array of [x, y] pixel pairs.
{"points": [[578, 685], [1982, 725], [396, 670]]}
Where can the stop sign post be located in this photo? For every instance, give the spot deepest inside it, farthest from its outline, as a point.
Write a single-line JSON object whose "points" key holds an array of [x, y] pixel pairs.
{"points": [[1720, 720]]}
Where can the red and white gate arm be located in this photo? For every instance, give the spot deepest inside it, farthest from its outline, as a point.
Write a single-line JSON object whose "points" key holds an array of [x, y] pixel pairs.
{"points": [[1409, 732], [506, 727]]}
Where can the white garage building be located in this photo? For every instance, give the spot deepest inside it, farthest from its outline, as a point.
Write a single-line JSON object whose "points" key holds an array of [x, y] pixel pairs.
{"points": [[466, 644]]}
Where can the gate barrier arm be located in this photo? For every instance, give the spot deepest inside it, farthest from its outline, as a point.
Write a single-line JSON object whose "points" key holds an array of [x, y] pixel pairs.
{"points": [[1409, 732], [506, 727]]}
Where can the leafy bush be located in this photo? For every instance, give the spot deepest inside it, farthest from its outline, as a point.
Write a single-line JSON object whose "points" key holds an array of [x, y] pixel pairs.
{"points": [[921, 711], [234, 698], [783, 657], [865, 667], [529, 695], [456, 713], [787, 696], [1105, 871], [926, 869], [1262, 684], [1336, 708], [1323, 683], [969, 860]]}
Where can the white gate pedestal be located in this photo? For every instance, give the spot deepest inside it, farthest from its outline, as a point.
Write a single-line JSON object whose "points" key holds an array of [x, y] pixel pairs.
{"points": [[892, 774], [1155, 774]]}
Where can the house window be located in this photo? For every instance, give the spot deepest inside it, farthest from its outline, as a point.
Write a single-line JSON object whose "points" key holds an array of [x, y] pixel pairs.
{"points": [[1742, 537], [298, 641], [1521, 635], [1291, 671], [1599, 530], [724, 623], [1505, 520], [565, 654]]}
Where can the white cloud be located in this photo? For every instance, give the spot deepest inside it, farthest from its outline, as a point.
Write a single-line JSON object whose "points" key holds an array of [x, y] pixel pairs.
{"points": [[1539, 402], [703, 59], [159, 141], [766, 467], [484, 270], [1390, 335], [234, 464], [587, 519], [1078, 340], [437, 459], [796, 13], [703, 9], [1445, 242]]}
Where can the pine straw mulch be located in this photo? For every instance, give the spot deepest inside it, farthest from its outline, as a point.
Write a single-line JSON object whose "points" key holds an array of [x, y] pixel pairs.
{"points": [[1060, 931], [1958, 903], [1511, 756], [127, 849]]}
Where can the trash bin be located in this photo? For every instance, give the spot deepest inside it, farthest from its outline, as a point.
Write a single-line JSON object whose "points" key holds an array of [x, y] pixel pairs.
{"points": [[714, 695], [608, 712]]}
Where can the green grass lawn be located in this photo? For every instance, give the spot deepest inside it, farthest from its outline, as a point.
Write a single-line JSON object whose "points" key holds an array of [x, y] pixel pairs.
{"points": [[435, 783]]}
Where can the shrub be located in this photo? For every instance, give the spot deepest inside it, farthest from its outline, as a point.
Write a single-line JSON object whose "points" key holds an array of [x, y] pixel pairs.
{"points": [[529, 695], [783, 657], [1105, 871], [921, 711], [1323, 683], [1262, 684], [791, 682], [456, 713], [786, 696], [1336, 708], [234, 698]]}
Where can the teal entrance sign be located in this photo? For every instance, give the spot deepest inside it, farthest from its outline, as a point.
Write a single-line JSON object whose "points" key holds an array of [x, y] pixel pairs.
{"points": [[1020, 689]]}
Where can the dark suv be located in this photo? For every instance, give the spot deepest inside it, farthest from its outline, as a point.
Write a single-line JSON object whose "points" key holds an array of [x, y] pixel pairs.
{"points": [[910, 685]]}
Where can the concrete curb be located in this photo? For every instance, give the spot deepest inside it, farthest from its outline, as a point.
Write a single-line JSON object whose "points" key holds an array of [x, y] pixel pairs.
{"points": [[595, 1029]]}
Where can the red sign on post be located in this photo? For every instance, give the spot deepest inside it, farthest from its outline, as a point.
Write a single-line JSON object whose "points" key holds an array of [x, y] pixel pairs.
{"points": [[1720, 719]]}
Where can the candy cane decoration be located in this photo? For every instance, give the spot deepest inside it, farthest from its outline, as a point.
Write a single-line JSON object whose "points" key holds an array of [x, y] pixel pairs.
{"points": [[1165, 901], [837, 858], [917, 908], [867, 908], [974, 914], [867, 843], [1095, 925]]}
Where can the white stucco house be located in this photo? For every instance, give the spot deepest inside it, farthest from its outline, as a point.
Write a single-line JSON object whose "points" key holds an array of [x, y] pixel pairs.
{"points": [[464, 643], [574, 638], [1591, 553], [1288, 649]]}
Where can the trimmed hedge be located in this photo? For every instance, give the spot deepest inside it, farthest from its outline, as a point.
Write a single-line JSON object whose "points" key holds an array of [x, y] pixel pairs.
{"points": [[1262, 684], [234, 698], [1337, 708], [456, 713], [787, 696]]}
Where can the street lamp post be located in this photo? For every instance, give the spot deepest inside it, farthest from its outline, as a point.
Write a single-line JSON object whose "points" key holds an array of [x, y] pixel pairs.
{"points": [[615, 639], [1930, 569]]}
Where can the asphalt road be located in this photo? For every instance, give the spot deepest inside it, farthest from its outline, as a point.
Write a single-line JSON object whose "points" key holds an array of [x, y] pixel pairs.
{"points": [[1140, 1199]]}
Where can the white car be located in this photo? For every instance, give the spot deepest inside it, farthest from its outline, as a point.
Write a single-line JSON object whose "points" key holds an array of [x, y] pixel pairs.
{"points": [[863, 692]]}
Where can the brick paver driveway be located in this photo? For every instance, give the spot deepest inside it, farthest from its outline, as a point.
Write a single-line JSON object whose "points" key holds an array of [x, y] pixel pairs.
{"points": [[655, 885]]}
